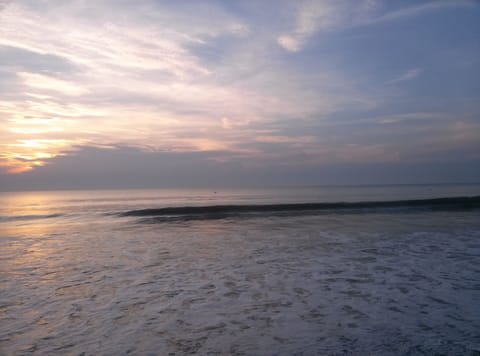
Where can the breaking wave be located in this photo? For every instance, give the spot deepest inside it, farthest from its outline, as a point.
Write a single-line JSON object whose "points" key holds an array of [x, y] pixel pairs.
{"points": [[223, 211]]}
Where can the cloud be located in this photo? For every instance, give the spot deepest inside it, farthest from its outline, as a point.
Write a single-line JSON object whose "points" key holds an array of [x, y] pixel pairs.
{"points": [[323, 16], [407, 75], [135, 80], [312, 17], [48, 84], [132, 80], [201, 77], [418, 10], [13, 59], [398, 118]]}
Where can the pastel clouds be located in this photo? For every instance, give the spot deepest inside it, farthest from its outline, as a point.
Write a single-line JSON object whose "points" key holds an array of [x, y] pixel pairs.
{"points": [[141, 86], [205, 77], [127, 85], [50, 84]]}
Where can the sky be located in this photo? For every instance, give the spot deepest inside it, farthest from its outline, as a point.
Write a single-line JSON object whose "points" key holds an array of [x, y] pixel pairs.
{"points": [[150, 93]]}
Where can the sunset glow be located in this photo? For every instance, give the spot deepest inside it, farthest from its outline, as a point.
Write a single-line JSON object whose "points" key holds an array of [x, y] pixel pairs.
{"points": [[234, 86], [24, 155], [239, 177]]}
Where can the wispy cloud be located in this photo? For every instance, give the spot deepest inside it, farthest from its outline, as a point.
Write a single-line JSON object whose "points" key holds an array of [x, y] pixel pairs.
{"points": [[315, 17], [323, 16], [407, 75], [418, 10], [398, 118]]}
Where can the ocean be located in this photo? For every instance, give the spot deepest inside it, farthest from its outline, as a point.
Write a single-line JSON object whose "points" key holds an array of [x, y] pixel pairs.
{"points": [[369, 270]]}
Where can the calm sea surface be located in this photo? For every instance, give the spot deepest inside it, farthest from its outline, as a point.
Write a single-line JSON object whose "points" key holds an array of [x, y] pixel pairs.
{"points": [[111, 272]]}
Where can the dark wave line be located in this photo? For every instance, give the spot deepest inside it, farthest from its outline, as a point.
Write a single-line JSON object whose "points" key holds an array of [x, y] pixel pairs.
{"points": [[28, 217], [456, 203]]}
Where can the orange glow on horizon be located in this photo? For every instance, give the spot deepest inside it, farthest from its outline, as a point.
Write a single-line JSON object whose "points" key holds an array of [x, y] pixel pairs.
{"points": [[25, 155], [16, 165]]}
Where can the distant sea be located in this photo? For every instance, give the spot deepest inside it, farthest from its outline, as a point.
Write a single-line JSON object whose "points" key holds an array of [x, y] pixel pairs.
{"points": [[367, 270]]}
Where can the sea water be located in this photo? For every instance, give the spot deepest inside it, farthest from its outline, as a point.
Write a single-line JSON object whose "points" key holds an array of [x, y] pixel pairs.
{"points": [[110, 272]]}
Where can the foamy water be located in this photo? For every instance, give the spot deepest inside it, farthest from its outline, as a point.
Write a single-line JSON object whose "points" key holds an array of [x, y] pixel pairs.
{"points": [[78, 277]]}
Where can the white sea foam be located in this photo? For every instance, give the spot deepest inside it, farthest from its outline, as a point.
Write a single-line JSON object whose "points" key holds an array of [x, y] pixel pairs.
{"points": [[380, 283]]}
